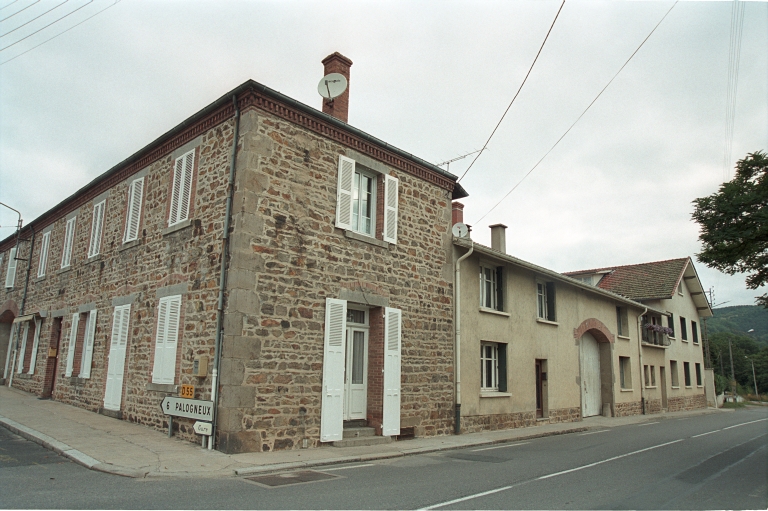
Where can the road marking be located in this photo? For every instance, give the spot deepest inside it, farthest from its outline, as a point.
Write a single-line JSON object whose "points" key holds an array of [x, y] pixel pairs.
{"points": [[705, 434], [499, 447], [594, 432], [345, 468], [606, 461], [745, 423], [647, 424], [476, 495]]}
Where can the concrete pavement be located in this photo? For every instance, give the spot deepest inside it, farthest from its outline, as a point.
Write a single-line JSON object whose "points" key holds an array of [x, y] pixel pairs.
{"points": [[123, 448]]}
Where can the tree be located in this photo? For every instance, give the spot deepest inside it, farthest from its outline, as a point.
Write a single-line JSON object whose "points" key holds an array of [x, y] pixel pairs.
{"points": [[734, 224]]}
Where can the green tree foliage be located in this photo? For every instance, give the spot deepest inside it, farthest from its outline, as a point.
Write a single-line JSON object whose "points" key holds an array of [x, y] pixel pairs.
{"points": [[741, 319], [734, 224], [745, 349]]}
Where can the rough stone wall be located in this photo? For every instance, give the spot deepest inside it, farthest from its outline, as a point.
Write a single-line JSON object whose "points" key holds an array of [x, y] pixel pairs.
{"points": [[681, 403], [477, 423], [629, 408], [653, 406], [287, 258]]}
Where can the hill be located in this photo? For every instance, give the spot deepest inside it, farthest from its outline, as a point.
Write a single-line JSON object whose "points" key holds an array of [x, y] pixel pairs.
{"points": [[741, 319]]}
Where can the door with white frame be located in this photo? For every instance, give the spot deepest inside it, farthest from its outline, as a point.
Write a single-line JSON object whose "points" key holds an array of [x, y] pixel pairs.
{"points": [[591, 399], [356, 365]]}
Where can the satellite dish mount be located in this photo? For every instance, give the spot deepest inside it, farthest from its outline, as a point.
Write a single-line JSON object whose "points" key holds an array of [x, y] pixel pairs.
{"points": [[332, 86]]}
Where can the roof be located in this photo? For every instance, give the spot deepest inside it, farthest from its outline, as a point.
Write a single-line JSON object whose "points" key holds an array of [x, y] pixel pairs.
{"points": [[651, 281], [544, 272]]}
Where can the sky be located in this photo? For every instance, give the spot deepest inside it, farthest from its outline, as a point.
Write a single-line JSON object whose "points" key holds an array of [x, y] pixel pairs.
{"points": [[429, 77]]}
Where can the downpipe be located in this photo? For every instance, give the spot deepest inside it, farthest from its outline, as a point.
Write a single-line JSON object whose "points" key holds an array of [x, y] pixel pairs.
{"points": [[23, 297], [457, 340], [640, 357]]}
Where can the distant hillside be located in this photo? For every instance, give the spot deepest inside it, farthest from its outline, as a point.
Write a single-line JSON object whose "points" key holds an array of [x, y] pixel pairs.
{"points": [[740, 319]]}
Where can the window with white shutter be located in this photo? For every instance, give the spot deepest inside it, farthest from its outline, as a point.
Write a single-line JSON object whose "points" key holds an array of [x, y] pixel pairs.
{"points": [[181, 196], [10, 274], [390, 209], [97, 225], [42, 265], [113, 393], [133, 216], [22, 347], [332, 407], [344, 192], [87, 356], [69, 236], [390, 424], [71, 347], [35, 344], [166, 339]]}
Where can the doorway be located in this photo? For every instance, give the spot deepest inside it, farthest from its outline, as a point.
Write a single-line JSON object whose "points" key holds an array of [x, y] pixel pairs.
{"points": [[591, 399], [52, 364], [663, 383], [541, 389], [356, 366]]}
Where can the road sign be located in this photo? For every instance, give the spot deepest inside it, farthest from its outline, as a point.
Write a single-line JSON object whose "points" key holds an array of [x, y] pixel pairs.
{"points": [[203, 428], [191, 408], [187, 391]]}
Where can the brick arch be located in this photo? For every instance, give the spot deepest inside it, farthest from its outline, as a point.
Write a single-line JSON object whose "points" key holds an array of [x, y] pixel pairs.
{"points": [[8, 306], [595, 327]]}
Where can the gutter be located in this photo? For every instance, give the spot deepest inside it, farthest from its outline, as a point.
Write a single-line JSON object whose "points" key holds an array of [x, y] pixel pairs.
{"points": [[457, 342], [640, 357], [223, 277], [23, 296]]}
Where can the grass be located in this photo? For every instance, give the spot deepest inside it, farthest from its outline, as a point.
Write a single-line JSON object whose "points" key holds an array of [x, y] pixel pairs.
{"points": [[734, 405]]}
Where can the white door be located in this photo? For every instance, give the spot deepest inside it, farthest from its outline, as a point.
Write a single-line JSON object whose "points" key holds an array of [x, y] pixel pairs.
{"points": [[113, 395], [591, 400], [356, 375]]}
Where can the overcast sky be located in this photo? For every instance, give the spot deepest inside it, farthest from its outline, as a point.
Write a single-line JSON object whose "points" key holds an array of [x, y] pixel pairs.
{"points": [[431, 78]]}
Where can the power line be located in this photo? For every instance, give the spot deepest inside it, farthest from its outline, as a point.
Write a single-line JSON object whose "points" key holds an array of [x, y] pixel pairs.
{"points": [[33, 19], [582, 113], [48, 25], [518, 92], [734, 57], [10, 4], [17, 12]]}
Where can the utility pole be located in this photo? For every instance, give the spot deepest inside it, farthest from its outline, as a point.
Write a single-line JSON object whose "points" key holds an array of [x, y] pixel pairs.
{"points": [[733, 376]]}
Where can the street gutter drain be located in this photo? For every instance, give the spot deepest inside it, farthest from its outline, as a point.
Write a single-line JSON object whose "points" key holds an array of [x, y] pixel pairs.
{"points": [[302, 476]]}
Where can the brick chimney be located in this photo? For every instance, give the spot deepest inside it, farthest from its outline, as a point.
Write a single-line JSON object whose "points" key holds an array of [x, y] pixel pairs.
{"points": [[339, 106], [457, 215], [499, 238]]}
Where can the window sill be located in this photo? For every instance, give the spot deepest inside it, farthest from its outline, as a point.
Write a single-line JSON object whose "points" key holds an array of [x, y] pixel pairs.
{"points": [[492, 393], [672, 338], [93, 259], [365, 238], [177, 227], [129, 245], [651, 345], [695, 343], [676, 387], [494, 311], [77, 381], [627, 390], [650, 386], [685, 340], [64, 270], [688, 387], [547, 322], [168, 388], [699, 386], [624, 337], [39, 279], [22, 376]]}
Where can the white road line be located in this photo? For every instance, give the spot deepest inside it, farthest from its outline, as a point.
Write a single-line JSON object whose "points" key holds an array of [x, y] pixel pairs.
{"points": [[705, 434], [476, 495], [606, 461], [647, 424], [745, 423], [594, 432], [345, 468], [499, 447]]}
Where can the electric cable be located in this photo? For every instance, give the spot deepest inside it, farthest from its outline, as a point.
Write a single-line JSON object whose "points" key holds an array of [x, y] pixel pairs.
{"points": [[10, 4], [48, 25], [582, 113], [33, 19], [518, 92], [17, 12], [734, 58]]}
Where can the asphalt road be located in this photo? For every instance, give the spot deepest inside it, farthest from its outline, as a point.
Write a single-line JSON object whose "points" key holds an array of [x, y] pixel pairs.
{"points": [[717, 461]]}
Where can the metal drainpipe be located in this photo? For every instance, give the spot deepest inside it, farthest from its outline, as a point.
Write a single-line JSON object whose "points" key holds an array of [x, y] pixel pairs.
{"points": [[640, 353], [223, 277], [457, 346], [23, 296]]}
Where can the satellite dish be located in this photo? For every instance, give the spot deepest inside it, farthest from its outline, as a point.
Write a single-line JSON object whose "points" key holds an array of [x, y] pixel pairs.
{"points": [[332, 85], [460, 230]]}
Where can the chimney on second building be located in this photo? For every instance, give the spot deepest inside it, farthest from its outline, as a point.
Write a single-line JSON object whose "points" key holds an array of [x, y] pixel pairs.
{"points": [[499, 238], [457, 215], [339, 106]]}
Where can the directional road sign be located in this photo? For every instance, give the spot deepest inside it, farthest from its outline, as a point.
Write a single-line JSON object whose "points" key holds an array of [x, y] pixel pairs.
{"points": [[203, 428], [191, 408]]}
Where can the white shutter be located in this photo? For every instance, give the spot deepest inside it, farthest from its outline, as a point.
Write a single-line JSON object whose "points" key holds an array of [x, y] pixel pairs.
{"points": [[182, 188], [10, 347], [132, 219], [69, 235], [90, 333], [10, 276], [22, 348], [97, 222], [332, 411], [390, 209], [71, 347], [35, 344], [43, 263], [113, 394], [344, 192], [177, 171], [168, 313], [392, 345]]}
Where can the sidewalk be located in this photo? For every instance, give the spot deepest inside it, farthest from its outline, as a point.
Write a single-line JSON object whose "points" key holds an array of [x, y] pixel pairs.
{"points": [[120, 447]]}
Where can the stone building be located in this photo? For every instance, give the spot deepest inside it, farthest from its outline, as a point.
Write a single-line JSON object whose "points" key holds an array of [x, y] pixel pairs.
{"points": [[290, 267]]}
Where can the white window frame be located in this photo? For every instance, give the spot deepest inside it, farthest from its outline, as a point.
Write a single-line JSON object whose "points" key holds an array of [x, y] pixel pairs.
{"points": [[544, 295], [358, 191], [97, 228], [133, 213], [42, 264], [10, 274], [22, 348], [35, 345], [69, 236], [494, 360], [181, 194], [166, 339], [487, 285]]}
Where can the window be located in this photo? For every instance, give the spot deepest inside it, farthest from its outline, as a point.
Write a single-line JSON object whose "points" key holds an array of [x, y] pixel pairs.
{"points": [[694, 332], [683, 329], [625, 373], [493, 367], [133, 215], [653, 376], [491, 287], [698, 375], [181, 195], [671, 324], [69, 236], [43, 263], [647, 376], [357, 207], [546, 300], [10, 274], [622, 321], [673, 373], [166, 339], [680, 289], [97, 226], [687, 371], [80, 350]]}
